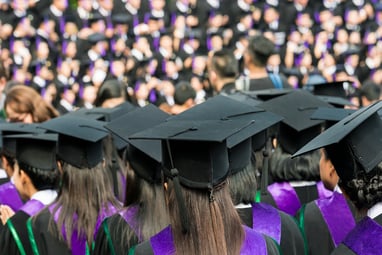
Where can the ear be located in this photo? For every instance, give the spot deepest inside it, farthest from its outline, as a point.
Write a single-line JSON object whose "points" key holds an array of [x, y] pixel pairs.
{"points": [[24, 178]]}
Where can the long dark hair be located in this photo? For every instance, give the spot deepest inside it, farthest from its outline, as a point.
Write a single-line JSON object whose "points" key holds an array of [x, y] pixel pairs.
{"points": [[302, 168], [84, 194], [152, 215], [215, 227], [243, 185]]}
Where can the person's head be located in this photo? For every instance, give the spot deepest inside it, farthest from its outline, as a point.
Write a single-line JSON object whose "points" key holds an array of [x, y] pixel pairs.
{"points": [[24, 104], [328, 173], [86, 188], [258, 51], [354, 147], [35, 166], [222, 66], [370, 92], [184, 94], [111, 93]]}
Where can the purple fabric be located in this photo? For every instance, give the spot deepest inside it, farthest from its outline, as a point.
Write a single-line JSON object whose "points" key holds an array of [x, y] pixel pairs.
{"points": [[337, 215], [254, 243], [79, 243], [322, 191], [129, 216], [32, 207], [10, 196], [365, 238], [266, 220], [285, 197], [163, 243]]}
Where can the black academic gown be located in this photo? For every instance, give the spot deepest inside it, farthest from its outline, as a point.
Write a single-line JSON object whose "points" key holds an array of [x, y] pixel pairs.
{"points": [[110, 237], [363, 240], [326, 222], [291, 241]]}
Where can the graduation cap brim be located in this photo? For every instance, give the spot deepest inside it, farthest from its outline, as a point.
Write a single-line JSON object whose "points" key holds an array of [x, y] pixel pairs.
{"points": [[363, 129], [338, 102], [331, 114]]}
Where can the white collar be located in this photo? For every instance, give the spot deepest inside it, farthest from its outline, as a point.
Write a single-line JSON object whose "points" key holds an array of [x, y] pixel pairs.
{"points": [[302, 183], [45, 196], [337, 189], [375, 211], [3, 174], [55, 11], [243, 206]]}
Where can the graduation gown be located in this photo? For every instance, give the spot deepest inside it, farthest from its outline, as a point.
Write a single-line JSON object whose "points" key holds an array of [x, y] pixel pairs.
{"points": [[162, 243], [47, 242], [109, 239], [364, 239], [326, 222], [289, 199], [276, 224], [10, 196], [14, 235]]}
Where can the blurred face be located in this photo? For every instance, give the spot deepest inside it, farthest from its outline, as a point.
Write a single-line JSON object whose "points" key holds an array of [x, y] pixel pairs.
{"points": [[14, 116]]}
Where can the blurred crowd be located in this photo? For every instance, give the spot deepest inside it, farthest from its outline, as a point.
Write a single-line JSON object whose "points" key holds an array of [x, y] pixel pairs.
{"points": [[67, 51]]}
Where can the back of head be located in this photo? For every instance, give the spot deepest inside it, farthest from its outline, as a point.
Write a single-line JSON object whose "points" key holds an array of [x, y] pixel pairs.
{"points": [[110, 89], [225, 64], [183, 92], [260, 49]]}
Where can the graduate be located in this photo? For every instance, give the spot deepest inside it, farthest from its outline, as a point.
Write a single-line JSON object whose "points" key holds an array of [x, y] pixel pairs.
{"points": [[326, 221], [295, 181], [85, 198], [203, 219], [36, 178], [354, 145], [145, 213]]}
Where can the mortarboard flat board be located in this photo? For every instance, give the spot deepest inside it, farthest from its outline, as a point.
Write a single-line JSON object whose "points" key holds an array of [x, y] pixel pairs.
{"points": [[335, 89], [121, 19], [96, 37], [36, 150], [198, 149], [356, 138], [143, 155], [267, 94], [297, 128], [80, 140], [331, 115], [338, 102], [222, 107]]}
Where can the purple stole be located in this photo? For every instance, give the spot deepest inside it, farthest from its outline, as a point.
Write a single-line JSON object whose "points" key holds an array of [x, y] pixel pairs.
{"points": [[32, 207], [365, 238], [266, 220], [79, 242], [254, 243], [286, 198], [10, 196], [337, 216], [129, 216]]}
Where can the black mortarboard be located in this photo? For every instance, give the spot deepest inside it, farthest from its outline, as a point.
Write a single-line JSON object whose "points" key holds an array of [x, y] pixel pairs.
{"points": [[94, 17], [354, 141], [267, 94], [331, 115], [222, 107], [143, 155], [335, 89], [297, 128], [198, 149], [121, 19], [80, 140], [6, 129], [96, 37], [36, 150]]}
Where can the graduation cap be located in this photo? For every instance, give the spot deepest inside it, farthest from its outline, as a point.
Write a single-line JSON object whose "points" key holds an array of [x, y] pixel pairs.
{"points": [[36, 150], [334, 89], [267, 94], [80, 140], [193, 34], [353, 144], [221, 108], [96, 37], [120, 18], [338, 102], [6, 129], [297, 128], [94, 17], [143, 155]]}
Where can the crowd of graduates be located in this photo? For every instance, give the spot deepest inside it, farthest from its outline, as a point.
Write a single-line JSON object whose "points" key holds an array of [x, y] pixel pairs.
{"points": [[191, 127]]}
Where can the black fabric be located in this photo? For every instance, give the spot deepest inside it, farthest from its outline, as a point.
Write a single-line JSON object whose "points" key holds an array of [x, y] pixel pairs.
{"points": [[306, 194], [144, 249], [266, 83], [47, 241], [117, 226], [8, 243]]}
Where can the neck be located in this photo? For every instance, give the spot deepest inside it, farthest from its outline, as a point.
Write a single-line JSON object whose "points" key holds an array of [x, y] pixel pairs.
{"points": [[220, 83], [257, 72]]}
